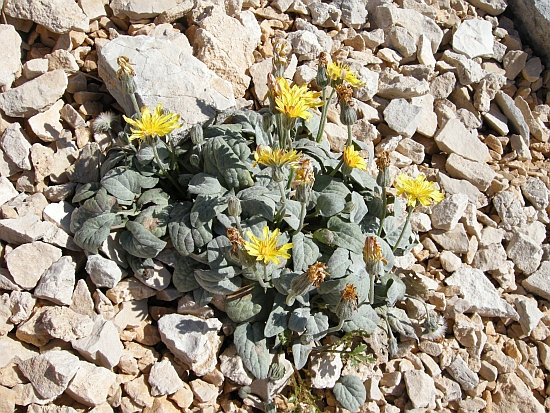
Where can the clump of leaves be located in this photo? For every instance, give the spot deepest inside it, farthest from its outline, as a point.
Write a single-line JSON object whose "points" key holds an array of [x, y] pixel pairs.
{"points": [[299, 240]]}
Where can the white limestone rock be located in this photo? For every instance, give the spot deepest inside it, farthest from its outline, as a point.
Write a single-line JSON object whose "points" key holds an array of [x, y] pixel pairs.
{"points": [[102, 271], [490, 258], [455, 240], [16, 146], [10, 55], [51, 372], [460, 371], [366, 92], [103, 346], [141, 9], [59, 213], [481, 294], [539, 282], [65, 324], [478, 174], [41, 255], [493, 7], [403, 117], [47, 125], [35, 95], [354, 12], [529, 313], [7, 190], [131, 314], [232, 367], [525, 252], [91, 384], [10, 349], [514, 62], [57, 16], [34, 68], [514, 115], [164, 379], [325, 370], [536, 192], [474, 37], [193, 340], [57, 282], [158, 278], [129, 289], [446, 214], [93, 8], [461, 186], [420, 388], [305, 45], [165, 74], [453, 137]]}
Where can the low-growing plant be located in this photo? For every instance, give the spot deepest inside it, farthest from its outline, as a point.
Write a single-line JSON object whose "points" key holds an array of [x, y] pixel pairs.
{"points": [[300, 241]]}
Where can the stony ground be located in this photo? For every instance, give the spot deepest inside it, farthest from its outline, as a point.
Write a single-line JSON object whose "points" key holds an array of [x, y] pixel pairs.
{"points": [[450, 89]]}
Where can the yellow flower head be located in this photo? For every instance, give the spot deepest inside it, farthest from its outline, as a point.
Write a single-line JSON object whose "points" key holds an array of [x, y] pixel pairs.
{"points": [[304, 173], [339, 72], [153, 125], [372, 251], [265, 249], [276, 158], [353, 159], [417, 190], [295, 101]]}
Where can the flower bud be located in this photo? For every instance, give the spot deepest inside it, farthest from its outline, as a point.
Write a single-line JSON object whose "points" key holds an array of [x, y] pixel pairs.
{"points": [[348, 116], [128, 84], [195, 160], [323, 80], [234, 206], [277, 174], [303, 192], [267, 122], [348, 303], [383, 178], [196, 134], [346, 169]]}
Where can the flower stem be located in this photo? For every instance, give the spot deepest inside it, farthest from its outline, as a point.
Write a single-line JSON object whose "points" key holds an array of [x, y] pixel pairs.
{"points": [[411, 209], [337, 167], [371, 290], [282, 191], [302, 217], [384, 210], [134, 102], [324, 111], [349, 141], [165, 173]]}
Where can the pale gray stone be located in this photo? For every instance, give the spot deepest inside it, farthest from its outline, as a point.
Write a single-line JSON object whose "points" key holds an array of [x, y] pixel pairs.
{"points": [[232, 367], [536, 126], [478, 174], [446, 214], [103, 272], [16, 146], [51, 372], [490, 235], [34, 68], [325, 370], [57, 282], [455, 240], [193, 340], [490, 257], [57, 16], [513, 395], [449, 261], [525, 252], [177, 78], [158, 277], [509, 209], [47, 125], [354, 13], [389, 15], [305, 45], [453, 137], [59, 213], [103, 346], [7, 190], [514, 115], [402, 41], [41, 255], [5, 313], [325, 41], [460, 371], [366, 92], [514, 62], [474, 37], [10, 349], [442, 86], [131, 314], [402, 117], [35, 95], [374, 38], [204, 392], [535, 191], [65, 324], [324, 15], [21, 306], [493, 7], [141, 9], [399, 86], [91, 384], [93, 8], [481, 294], [129, 289], [469, 72], [496, 120], [420, 388], [411, 149], [529, 313], [10, 55], [164, 379]]}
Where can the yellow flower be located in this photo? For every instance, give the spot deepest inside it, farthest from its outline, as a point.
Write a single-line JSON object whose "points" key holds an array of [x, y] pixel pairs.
{"points": [[353, 159], [153, 125], [417, 190], [295, 101], [339, 72], [266, 248], [276, 158]]}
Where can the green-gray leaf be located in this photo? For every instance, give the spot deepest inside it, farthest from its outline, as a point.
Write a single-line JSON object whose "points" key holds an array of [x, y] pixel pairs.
{"points": [[251, 346], [298, 319], [278, 318], [395, 288], [300, 353], [329, 204], [251, 306], [346, 234], [155, 219], [365, 319], [154, 196], [94, 231], [85, 191], [401, 323], [317, 325], [184, 277], [126, 184], [350, 393], [179, 228], [360, 210], [221, 281], [205, 208], [338, 263], [204, 184], [140, 242], [304, 252]]}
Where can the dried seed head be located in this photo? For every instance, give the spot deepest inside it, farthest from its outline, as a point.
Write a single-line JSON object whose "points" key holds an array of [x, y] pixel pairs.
{"points": [[235, 238], [348, 302]]}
